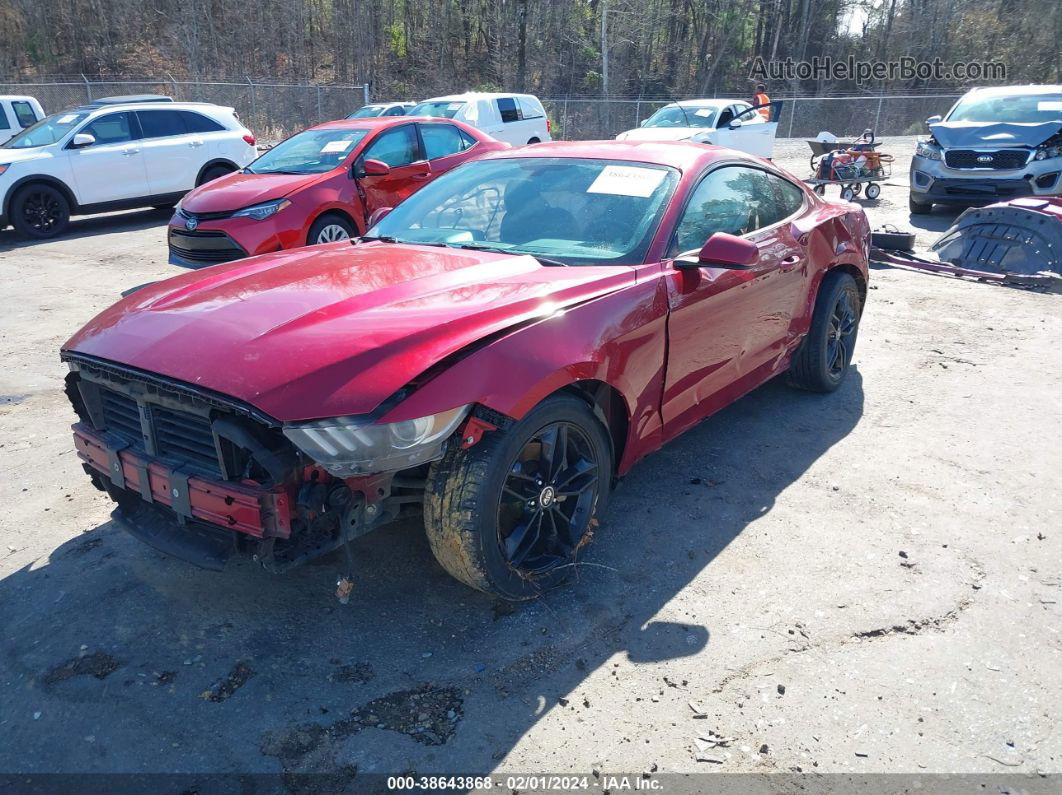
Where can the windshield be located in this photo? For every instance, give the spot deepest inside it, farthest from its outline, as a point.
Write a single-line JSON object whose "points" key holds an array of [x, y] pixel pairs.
{"points": [[438, 110], [309, 152], [674, 116], [574, 211], [46, 131], [1028, 109], [365, 111]]}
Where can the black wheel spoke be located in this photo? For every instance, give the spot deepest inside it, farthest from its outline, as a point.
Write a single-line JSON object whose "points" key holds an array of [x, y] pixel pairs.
{"points": [[547, 498]]}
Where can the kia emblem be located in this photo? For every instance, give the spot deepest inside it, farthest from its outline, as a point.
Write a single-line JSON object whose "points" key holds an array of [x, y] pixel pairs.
{"points": [[191, 223], [984, 158]]}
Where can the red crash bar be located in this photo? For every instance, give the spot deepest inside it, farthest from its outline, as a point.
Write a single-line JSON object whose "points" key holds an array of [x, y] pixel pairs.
{"points": [[249, 509]]}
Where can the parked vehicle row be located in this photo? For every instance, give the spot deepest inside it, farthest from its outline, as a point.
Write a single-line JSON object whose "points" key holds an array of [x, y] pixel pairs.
{"points": [[517, 119]]}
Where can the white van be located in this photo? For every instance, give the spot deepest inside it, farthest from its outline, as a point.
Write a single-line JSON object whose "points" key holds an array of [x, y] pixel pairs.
{"points": [[517, 119], [16, 114]]}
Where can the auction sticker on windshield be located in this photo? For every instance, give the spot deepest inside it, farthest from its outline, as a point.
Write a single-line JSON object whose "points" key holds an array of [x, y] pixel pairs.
{"points": [[336, 146], [627, 181]]}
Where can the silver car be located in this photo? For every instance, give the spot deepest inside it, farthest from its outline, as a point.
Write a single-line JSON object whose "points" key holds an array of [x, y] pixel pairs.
{"points": [[994, 144]]}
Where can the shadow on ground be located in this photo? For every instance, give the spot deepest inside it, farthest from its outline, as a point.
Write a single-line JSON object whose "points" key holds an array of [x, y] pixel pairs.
{"points": [[92, 225], [118, 659]]}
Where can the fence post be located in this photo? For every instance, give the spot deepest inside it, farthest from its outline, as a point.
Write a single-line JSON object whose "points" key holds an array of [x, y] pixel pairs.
{"points": [[877, 116], [365, 93], [174, 82], [792, 115], [319, 102], [254, 105], [564, 124], [88, 88], [638, 113]]}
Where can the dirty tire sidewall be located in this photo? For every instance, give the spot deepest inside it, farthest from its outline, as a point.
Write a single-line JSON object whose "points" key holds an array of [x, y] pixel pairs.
{"points": [[463, 493], [32, 196], [917, 207], [213, 173], [809, 368]]}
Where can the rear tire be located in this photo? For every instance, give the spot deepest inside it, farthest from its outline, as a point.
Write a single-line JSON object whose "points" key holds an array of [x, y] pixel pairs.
{"points": [[534, 141], [823, 359], [330, 228], [918, 208], [508, 518], [40, 212], [213, 173]]}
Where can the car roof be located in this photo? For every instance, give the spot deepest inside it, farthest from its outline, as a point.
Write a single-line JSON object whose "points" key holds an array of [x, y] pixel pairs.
{"points": [[1005, 91], [145, 105], [470, 95], [683, 155], [362, 123], [127, 99], [704, 103]]}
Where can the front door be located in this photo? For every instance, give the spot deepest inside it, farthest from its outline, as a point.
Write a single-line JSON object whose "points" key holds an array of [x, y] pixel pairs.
{"points": [[728, 328], [112, 168], [398, 147]]}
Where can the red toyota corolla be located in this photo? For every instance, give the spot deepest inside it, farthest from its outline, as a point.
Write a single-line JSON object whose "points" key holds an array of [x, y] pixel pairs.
{"points": [[318, 186], [497, 350]]}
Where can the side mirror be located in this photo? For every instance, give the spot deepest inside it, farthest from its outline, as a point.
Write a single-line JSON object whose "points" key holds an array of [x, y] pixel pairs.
{"points": [[935, 119], [378, 215], [734, 124], [642, 122], [82, 139], [375, 168], [722, 251]]}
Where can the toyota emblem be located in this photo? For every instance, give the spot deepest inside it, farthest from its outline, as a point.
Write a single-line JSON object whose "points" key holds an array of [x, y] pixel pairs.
{"points": [[191, 223]]}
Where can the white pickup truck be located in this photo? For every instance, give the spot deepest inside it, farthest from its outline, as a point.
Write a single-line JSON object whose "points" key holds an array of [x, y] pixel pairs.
{"points": [[16, 114]]}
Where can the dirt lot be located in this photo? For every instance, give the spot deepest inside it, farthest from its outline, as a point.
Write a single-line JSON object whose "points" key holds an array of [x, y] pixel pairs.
{"points": [[864, 582]]}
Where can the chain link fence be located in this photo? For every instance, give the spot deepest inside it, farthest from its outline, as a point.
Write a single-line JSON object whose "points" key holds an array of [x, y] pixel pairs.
{"points": [[584, 118], [275, 110], [272, 110]]}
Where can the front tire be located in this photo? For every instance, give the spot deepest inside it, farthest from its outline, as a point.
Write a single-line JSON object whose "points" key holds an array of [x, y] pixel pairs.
{"points": [[40, 212], [917, 207], [823, 359], [330, 229], [510, 515]]}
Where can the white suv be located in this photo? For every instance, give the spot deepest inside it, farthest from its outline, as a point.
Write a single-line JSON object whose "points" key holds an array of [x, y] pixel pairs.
{"points": [[517, 119], [115, 154]]}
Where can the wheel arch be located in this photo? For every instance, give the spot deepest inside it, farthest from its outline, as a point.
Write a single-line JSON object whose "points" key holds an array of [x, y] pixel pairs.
{"points": [[854, 272], [609, 405], [332, 210], [44, 179], [217, 161]]}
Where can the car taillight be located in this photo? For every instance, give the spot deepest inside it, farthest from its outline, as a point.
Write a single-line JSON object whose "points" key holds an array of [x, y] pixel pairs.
{"points": [[249, 139], [549, 126]]}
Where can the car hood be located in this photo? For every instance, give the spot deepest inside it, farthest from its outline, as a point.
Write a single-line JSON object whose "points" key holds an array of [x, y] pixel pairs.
{"points": [[971, 133], [661, 133], [18, 155], [331, 330], [238, 190]]}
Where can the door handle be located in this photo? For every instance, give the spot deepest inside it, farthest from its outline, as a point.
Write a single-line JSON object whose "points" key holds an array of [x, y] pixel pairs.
{"points": [[425, 175], [195, 143], [129, 152]]}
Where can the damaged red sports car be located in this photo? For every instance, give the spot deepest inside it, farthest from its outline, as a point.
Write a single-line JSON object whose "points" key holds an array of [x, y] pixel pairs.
{"points": [[491, 356]]}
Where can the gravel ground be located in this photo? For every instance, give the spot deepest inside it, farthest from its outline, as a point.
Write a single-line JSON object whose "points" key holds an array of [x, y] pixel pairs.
{"points": [[857, 583]]}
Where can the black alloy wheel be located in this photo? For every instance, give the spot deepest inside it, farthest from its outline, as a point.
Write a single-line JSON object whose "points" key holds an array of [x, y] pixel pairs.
{"points": [[40, 211]]}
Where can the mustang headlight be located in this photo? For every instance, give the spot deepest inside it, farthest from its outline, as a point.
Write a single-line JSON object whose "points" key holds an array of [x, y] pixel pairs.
{"points": [[929, 151], [348, 446], [260, 212], [1047, 152]]}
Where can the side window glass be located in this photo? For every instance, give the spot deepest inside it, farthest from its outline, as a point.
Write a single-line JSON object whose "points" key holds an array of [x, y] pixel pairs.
{"points": [[4, 124], [467, 141], [395, 147], [24, 113], [508, 110], [440, 140], [114, 128], [788, 196], [731, 199], [399, 111], [160, 123], [725, 117], [198, 123], [529, 110]]}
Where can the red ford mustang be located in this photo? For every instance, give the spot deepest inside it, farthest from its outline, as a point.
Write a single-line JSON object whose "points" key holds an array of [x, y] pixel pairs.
{"points": [[490, 356], [318, 186]]}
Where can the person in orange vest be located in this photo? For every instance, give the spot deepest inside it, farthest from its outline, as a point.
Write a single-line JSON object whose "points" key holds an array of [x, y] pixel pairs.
{"points": [[761, 98]]}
